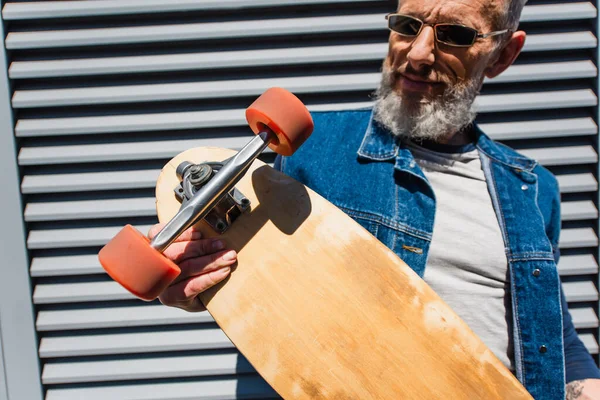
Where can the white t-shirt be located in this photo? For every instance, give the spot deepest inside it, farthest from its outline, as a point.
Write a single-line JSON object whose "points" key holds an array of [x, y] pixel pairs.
{"points": [[467, 265]]}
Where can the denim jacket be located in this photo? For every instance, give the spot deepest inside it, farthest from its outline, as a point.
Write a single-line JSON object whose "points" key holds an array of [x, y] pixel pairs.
{"points": [[358, 166]]}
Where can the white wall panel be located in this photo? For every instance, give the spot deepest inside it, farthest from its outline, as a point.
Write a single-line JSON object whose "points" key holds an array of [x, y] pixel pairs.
{"points": [[104, 92]]}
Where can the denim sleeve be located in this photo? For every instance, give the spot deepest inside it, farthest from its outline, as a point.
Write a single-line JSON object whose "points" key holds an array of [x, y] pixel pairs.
{"points": [[578, 362]]}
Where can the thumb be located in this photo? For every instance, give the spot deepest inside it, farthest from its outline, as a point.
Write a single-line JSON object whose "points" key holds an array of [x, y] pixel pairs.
{"points": [[154, 230]]}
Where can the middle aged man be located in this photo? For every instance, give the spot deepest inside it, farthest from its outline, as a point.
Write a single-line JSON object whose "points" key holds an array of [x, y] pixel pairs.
{"points": [[479, 222]]}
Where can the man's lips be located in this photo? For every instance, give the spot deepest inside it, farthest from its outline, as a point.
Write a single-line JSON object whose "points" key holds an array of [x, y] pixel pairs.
{"points": [[415, 83]]}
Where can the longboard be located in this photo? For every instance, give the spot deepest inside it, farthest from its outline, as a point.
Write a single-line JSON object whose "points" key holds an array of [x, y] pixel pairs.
{"points": [[317, 305], [324, 310]]}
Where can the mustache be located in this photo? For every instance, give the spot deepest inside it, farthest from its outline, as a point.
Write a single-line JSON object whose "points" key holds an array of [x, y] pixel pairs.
{"points": [[426, 72]]}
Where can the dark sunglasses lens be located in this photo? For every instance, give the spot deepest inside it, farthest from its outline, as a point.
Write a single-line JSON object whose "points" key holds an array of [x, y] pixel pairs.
{"points": [[455, 35], [404, 25]]}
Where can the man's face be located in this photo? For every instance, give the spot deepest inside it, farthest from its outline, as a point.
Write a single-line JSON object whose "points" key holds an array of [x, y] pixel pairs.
{"points": [[427, 87], [423, 68]]}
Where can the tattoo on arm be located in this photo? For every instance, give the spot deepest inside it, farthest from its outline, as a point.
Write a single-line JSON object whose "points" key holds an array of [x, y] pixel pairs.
{"points": [[574, 390]]}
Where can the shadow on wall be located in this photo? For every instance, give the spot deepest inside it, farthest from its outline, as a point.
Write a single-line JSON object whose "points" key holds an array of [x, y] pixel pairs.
{"points": [[250, 385]]}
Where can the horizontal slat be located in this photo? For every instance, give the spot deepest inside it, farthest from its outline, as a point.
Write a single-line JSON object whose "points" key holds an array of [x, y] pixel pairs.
{"points": [[132, 343], [76, 237], [191, 90], [224, 118], [196, 61], [123, 151], [70, 9], [87, 181], [558, 12], [580, 291], [65, 266], [199, 31], [117, 317], [590, 342], [584, 264], [72, 210], [129, 123], [115, 208], [243, 387], [547, 71], [254, 87], [146, 368], [536, 101], [541, 129], [249, 29], [571, 155], [554, 41], [584, 318], [151, 122], [56, 293], [577, 238], [578, 210], [572, 183]]}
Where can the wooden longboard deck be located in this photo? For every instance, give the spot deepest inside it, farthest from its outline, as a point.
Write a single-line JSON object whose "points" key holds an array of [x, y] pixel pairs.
{"points": [[324, 310]]}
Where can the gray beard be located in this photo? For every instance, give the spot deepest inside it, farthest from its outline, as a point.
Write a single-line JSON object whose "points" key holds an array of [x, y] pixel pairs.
{"points": [[432, 119]]}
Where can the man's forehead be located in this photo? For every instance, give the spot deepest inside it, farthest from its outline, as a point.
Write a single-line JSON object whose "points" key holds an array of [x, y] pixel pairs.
{"points": [[475, 13]]}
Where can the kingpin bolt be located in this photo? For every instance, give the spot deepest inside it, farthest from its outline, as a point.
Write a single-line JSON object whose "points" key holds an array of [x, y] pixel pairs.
{"points": [[200, 174]]}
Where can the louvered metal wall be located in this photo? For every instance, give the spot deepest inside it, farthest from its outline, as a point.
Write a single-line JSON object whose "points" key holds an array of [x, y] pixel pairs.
{"points": [[104, 92]]}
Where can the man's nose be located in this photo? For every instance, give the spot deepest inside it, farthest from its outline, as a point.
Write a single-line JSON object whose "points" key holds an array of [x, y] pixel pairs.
{"points": [[422, 49]]}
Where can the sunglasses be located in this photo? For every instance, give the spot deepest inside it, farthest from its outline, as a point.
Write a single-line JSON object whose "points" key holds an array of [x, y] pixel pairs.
{"points": [[450, 34]]}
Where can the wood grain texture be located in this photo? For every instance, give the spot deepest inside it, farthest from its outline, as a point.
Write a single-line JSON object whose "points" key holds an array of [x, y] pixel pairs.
{"points": [[323, 310]]}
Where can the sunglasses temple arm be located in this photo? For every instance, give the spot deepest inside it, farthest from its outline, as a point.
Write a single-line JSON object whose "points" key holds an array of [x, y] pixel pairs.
{"points": [[487, 35]]}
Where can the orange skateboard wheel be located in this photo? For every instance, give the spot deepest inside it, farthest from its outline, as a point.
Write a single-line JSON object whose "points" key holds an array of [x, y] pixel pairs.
{"points": [[130, 260], [285, 115]]}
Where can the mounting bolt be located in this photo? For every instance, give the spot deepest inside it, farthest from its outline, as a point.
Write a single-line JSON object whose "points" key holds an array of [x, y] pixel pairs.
{"points": [[220, 225]]}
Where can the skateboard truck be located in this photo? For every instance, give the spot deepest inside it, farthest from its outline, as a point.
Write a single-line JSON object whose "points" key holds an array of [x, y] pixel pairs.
{"points": [[280, 121], [194, 177], [214, 191]]}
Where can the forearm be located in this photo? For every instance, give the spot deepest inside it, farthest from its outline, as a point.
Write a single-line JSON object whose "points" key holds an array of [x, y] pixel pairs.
{"points": [[587, 389]]}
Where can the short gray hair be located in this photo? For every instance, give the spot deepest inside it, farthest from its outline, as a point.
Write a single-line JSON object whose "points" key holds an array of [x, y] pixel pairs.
{"points": [[509, 19]]}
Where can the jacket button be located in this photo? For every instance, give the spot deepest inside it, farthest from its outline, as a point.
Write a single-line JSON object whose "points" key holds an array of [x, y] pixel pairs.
{"points": [[412, 164], [543, 349], [524, 187], [536, 272]]}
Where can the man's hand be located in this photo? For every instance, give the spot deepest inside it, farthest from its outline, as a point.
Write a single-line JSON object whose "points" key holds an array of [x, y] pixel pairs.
{"points": [[587, 389], [203, 263]]}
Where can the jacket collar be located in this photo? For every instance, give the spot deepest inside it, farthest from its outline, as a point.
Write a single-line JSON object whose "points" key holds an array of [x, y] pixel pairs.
{"points": [[379, 144], [501, 153]]}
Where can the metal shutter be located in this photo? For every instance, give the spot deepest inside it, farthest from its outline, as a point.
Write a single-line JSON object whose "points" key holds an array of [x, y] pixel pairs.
{"points": [[105, 92]]}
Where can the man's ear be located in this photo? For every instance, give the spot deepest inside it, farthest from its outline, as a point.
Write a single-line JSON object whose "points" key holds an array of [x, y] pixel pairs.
{"points": [[507, 55]]}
